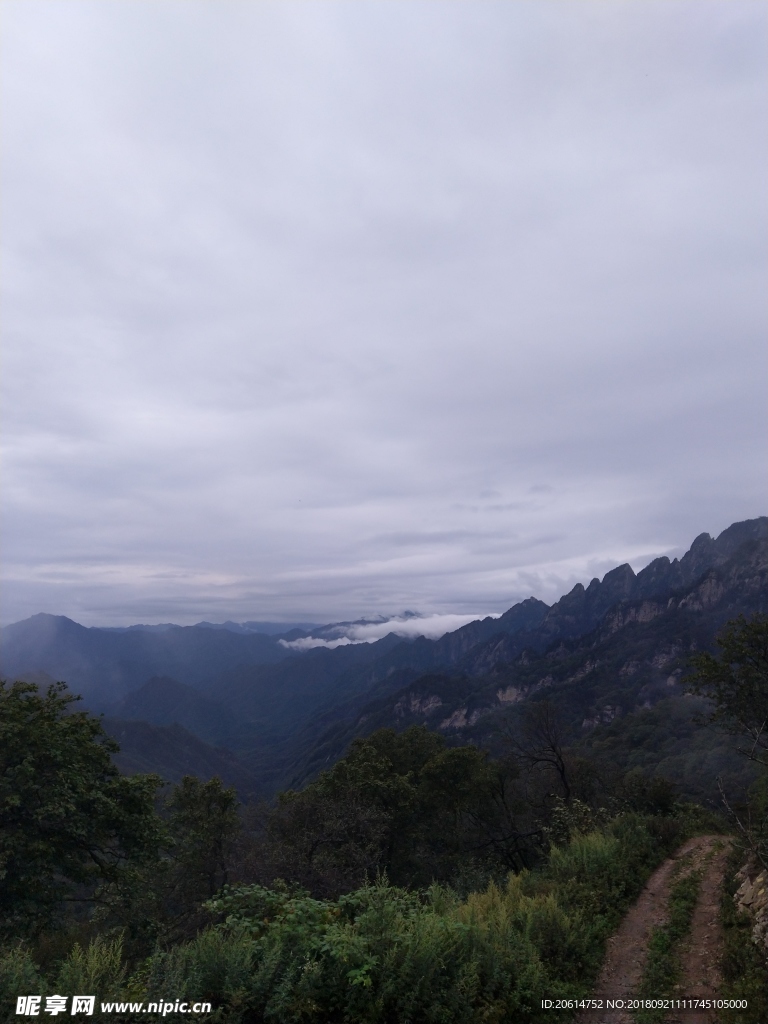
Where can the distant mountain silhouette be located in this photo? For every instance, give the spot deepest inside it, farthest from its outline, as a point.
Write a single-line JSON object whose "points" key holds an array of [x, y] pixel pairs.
{"points": [[601, 650], [105, 665], [601, 653]]}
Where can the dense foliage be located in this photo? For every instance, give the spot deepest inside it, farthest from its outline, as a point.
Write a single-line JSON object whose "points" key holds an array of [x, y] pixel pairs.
{"points": [[384, 953], [736, 681], [69, 822], [402, 803], [411, 881]]}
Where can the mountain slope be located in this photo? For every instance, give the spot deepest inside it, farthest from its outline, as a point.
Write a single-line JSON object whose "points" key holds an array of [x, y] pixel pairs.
{"points": [[630, 660], [601, 651], [165, 701], [476, 649], [580, 611], [104, 665], [171, 752]]}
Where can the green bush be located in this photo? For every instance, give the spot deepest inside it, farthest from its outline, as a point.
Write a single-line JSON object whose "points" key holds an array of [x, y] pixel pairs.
{"points": [[388, 954], [217, 966], [378, 954], [19, 976], [97, 969]]}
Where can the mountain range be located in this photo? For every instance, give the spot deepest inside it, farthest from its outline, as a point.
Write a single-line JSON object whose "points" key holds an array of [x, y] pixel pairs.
{"points": [[237, 701]]}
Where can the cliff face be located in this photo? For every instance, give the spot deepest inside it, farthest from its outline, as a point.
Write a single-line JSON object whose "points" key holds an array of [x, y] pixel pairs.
{"points": [[581, 610], [614, 648], [752, 896]]}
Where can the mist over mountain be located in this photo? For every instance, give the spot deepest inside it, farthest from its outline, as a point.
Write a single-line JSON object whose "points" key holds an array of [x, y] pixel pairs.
{"points": [[105, 665], [603, 652], [270, 628]]}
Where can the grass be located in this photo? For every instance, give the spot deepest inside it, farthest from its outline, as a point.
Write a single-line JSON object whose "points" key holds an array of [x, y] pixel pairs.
{"points": [[662, 968], [383, 953]]}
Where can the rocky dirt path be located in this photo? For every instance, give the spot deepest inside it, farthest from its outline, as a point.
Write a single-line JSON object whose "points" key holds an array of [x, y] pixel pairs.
{"points": [[701, 978], [627, 950]]}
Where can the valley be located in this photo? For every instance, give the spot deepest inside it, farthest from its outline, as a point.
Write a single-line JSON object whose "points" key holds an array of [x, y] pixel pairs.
{"points": [[610, 656], [533, 802]]}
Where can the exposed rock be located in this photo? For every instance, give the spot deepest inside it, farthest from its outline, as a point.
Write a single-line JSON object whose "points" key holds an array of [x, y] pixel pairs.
{"points": [[603, 717], [645, 611], [752, 896], [709, 592], [417, 705], [458, 720], [509, 695], [663, 657], [589, 666], [629, 668], [461, 718]]}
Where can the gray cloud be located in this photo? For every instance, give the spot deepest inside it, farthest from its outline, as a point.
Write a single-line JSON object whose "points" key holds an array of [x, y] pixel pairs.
{"points": [[409, 624], [320, 310]]}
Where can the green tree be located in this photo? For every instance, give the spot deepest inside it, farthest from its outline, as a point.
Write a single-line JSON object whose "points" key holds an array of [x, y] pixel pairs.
{"points": [[327, 842], [161, 900], [736, 681], [203, 825], [403, 803], [70, 824]]}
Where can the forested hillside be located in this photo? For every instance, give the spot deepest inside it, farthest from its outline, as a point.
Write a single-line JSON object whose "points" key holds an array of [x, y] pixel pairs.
{"points": [[413, 880], [405, 830], [605, 654]]}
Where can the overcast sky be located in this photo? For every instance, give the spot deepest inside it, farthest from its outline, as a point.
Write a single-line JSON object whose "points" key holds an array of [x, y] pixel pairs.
{"points": [[315, 310]]}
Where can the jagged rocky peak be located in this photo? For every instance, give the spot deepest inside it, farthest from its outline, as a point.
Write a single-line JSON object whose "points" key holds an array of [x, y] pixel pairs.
{"points": [[655, 574], [620, 580], [704, 553], [615, 585], [699, 557], [525, 614], [739, 533], [570, 603]]}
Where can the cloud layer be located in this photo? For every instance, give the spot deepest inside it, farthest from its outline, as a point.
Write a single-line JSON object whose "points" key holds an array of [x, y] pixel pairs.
{"points": [[319, 310], [409, 625]]}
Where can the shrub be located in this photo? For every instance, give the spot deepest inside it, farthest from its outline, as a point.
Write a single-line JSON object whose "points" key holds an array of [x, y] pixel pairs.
{"points": [[97, 969], [383, 953], [386, 954], [19, 976]]}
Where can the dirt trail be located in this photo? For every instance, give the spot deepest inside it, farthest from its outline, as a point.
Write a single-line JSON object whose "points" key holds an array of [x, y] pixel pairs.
{"points": [[627, 950], [701, 978]]}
